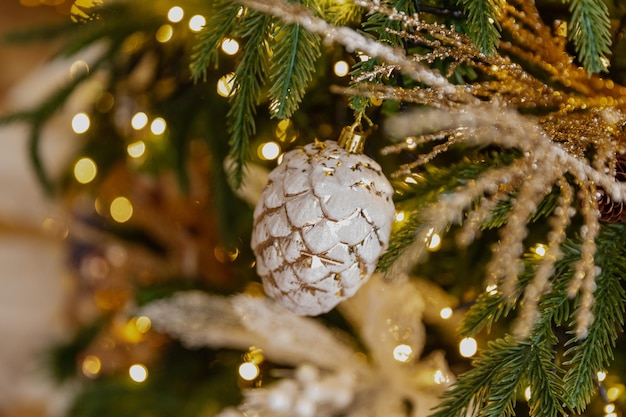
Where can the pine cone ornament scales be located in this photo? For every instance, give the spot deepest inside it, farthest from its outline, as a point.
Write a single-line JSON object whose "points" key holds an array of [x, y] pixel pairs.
{"points": [[322, 221]]}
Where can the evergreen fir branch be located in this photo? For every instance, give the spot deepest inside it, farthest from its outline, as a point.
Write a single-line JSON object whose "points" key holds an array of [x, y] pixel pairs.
{"points": [[590, 30], [547, 395], [250, 76], [593, 353], [482, 21], [490, 387], [293, 64], [219, 25]]}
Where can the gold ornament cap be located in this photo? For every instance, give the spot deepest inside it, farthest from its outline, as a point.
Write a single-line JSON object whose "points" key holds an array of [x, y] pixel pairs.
{"points": [[352, 140]]}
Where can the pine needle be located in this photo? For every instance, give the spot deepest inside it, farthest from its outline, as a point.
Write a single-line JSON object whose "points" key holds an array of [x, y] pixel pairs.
{"points": [[590, 30]]}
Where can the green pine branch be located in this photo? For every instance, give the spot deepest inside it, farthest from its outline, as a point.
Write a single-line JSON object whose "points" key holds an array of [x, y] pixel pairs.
{"points": [[482, 22], [590, 30], [220, 24], [295, 53], [250, 76], [592, 354]]}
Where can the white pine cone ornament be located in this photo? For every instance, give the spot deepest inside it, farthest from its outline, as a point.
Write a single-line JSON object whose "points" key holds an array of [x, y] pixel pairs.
{"points": [[322, 221]]}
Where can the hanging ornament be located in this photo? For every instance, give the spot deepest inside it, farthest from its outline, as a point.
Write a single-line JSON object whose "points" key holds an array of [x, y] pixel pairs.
{"points": [[610, 210], [322, 221]]}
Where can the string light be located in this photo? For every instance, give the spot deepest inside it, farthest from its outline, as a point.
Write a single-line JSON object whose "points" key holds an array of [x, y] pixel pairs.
{"points": [[138, 372], [164, 33], [540, 250], [136, 149], [158, 126], [91, 366], [269, 150], [230, 46], [492, 289], [402, 353], [601, 376], [196, 23], [139, 120], [121, 209], [613, 393], [400, 216], [249, 371], [439, 377], [341, 68], [527, 393], [225, 84], [175, 14], [85, 170], [445, 313], [81, 123], [434, 243], [143, 324], [609, 408], [468, 347]]}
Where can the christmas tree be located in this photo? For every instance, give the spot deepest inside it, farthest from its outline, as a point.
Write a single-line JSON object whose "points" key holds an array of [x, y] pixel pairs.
{"points": [[342, 208]]}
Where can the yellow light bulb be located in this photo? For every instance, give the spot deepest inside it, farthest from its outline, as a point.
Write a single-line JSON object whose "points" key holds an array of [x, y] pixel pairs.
{"points": [[196, 23], [468, 347], [225, 84], [91, 366], [158, 126], [81, 123], [121, 209], [175, 14], [138, 372], [230, 46], [136, 149], [402, 353], [341, 68], [269, 151], [85, 170], [249, 371], [139, 120], [164, 33], [445, 313]]}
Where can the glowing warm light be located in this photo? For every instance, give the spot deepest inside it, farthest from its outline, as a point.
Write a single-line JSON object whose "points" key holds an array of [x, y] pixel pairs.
{"points": [[269, 151], [164, 33], [158, 126], [121, 209], [341, 68], [468, 347], [91, 366], [364, 57], [139, 120], [85, 170], [527, 393], [445, 313], [440, 377], [143, 324], [410, 180], [400, 216], [410, 143], [434, 243], [175, 14], [225, 84], [540, 250], [492, 289], [611, 415], [609, 408], [613, 393], [138, 372], [230, 46], [402, 353], [196, 23], [80, 123], [131, 333], [601, 376], [136, 149], [248, 371]]}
